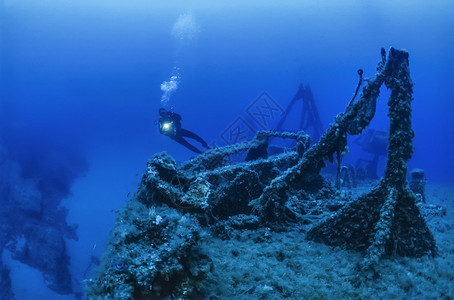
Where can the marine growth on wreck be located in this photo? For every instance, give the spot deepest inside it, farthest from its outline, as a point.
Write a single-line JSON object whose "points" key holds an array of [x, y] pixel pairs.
{"points": [[154, 250]]}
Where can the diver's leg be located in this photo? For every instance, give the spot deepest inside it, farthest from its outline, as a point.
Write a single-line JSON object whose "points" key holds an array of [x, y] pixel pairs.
{"points": [[192, 135], [180, 140]]}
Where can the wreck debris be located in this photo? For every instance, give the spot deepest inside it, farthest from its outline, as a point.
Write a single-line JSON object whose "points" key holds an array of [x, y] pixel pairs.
{"points": [[356, 117], [310, 119], [418, 183], [347, 177], [215, 158], [221, 192], [151, 253], [153, 250], [360, 73], [386, 221]]}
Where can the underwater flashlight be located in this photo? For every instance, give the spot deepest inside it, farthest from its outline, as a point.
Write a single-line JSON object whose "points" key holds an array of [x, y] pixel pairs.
{"points": [[166, 126]]}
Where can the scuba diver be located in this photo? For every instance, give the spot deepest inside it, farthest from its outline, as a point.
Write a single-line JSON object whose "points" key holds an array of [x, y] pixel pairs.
{"points": [[170, 125]]}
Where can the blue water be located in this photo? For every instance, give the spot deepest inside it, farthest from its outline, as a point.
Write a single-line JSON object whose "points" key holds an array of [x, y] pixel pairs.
{"points": [[81, 87]]}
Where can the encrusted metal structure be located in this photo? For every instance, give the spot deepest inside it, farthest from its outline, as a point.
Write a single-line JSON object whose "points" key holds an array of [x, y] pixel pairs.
{"points": [[153, 247], [385, 221]]}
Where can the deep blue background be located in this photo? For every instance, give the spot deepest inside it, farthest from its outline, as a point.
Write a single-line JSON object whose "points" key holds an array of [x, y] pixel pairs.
{"points": [[80, 81]]}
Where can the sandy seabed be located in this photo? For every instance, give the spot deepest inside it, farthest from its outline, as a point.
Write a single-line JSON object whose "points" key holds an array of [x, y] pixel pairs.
{"points": [[263, 264]]}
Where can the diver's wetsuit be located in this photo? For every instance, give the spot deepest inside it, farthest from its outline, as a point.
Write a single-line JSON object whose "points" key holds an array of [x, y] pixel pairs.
{"points": [[175, 132]]}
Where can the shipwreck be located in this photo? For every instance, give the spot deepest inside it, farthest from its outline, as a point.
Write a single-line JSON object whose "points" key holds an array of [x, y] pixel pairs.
{"points": [[153, 250]]}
